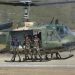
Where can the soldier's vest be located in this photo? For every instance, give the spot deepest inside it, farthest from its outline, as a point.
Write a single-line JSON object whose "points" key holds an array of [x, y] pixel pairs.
{"points": [[36, 42], [27, 44]]}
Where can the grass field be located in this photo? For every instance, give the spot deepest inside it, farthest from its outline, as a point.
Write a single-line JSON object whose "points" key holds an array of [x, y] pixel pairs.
{"points": [[41, 14]]}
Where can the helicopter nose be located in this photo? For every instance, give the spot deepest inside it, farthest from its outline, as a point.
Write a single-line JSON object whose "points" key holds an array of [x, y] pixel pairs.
{"points": [[70, 45], [67, 44], [68, 41]]}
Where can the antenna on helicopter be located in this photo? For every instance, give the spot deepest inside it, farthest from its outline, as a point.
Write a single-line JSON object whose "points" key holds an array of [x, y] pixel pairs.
{"points": [[52, 20], [56, 21]]}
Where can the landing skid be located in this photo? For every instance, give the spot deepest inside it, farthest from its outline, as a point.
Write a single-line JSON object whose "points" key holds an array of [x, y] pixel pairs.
{"points": [[29, 60], [12, 61], [68, 56], [41, 60], [62, 58]]}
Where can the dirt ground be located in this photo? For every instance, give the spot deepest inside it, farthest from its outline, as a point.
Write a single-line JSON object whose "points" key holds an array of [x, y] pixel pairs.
{"points": [[37, 71], [52, 67]]}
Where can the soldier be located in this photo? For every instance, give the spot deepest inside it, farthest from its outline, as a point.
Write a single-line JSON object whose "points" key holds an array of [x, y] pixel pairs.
{"points": [[37, 47], [15, 45], [27, 50], [36, 42]]}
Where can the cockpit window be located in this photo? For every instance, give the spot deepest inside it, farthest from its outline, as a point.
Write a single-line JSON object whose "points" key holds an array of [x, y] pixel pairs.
{"points": [[63, 31], [52, 36]]}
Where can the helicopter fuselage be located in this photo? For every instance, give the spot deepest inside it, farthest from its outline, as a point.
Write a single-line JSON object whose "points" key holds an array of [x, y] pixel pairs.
{"points": [[55, 36], [51, 36]]}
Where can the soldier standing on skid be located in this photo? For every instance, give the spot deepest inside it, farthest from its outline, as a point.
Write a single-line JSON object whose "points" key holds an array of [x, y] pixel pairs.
{"points": [[27, 50], [37, 47], [15, 45]]}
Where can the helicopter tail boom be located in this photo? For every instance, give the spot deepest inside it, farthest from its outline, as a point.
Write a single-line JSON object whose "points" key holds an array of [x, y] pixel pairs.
{"points": [[6, 25]]}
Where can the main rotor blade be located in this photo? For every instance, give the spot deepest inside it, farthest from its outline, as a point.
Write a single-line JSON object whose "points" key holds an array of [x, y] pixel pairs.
{"points": [[17, 3], [54, 3]]}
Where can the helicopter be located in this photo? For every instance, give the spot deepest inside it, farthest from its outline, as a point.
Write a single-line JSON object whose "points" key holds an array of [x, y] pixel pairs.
{"points": [[55, 38]]}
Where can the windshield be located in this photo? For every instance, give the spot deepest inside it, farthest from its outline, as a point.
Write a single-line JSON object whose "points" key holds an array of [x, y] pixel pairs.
{"points": [[63, 31]]}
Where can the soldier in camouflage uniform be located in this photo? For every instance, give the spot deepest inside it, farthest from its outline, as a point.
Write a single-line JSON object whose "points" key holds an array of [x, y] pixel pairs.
{"points": [[27, 50], [37, 47]]}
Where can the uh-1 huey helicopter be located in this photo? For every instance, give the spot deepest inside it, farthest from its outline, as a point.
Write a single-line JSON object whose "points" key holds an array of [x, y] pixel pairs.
{"points": [[54, 37]]}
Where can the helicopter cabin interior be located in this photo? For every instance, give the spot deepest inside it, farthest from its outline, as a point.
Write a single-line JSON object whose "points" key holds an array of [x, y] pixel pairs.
{"points": [[48, 38], [20, 35]]}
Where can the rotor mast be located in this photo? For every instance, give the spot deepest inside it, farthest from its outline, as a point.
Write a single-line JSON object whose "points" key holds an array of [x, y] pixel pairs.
{"points": [[26, 17], [27, 11]]}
